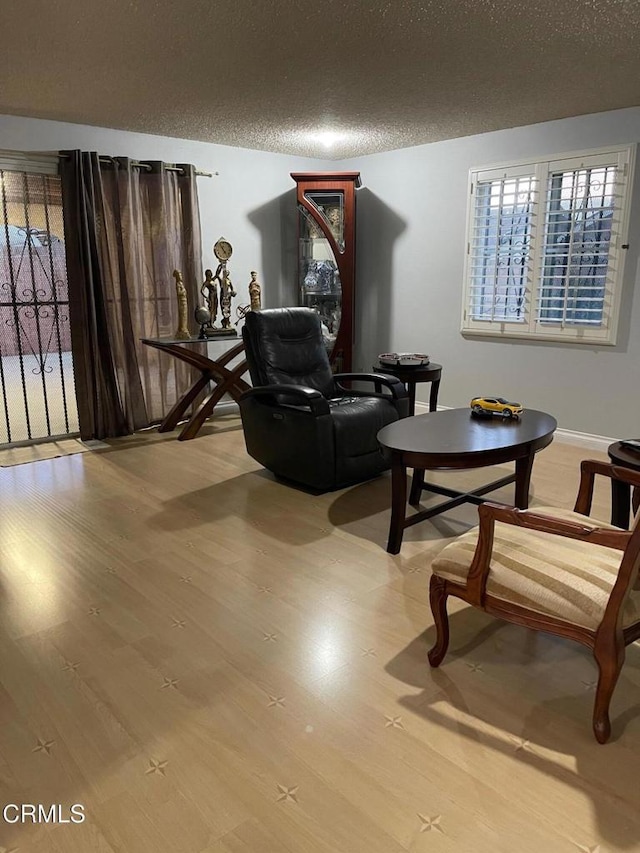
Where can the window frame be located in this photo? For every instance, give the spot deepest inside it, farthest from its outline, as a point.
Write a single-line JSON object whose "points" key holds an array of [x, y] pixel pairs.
{"points": [[540, 170]]}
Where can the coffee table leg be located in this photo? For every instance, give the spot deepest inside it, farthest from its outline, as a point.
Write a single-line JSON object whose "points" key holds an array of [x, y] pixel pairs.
{"points": [[523, 480], [398, 503], [416, 486]]}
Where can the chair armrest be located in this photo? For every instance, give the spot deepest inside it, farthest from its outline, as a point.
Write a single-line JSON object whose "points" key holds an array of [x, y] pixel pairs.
{"points": [[489, 513], [309, 396], [398, 391], [588, 470], [559, 526]]}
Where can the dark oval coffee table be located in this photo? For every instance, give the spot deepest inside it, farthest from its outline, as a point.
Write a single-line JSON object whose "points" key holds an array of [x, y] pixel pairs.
{"points": [[452, 440]]}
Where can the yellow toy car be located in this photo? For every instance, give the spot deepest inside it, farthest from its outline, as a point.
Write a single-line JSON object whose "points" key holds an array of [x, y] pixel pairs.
{"points": [[487, 406]]}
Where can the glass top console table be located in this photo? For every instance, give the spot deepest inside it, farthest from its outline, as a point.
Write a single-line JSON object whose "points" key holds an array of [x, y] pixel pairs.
{"points": [[224, 379]]}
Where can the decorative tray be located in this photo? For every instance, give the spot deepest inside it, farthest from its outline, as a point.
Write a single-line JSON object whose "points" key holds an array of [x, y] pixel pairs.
{"points": [[404, 359]]}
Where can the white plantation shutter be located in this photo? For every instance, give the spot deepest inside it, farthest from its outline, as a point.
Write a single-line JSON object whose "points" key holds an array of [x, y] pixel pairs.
{"points": [[545, 248], [585, 201], [500, 263]]}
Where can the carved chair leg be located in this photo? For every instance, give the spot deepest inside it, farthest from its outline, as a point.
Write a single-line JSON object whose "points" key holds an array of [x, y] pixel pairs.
{"points": [[609, 666], [438, 599]]}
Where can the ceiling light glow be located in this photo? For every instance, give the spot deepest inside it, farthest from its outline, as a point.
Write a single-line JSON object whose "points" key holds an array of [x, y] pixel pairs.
{"points": [[328, 138], [327, 141]]}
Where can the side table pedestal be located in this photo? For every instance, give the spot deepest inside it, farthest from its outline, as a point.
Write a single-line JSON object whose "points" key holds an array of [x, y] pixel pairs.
{"points": [[621, 496], [410, 376]]}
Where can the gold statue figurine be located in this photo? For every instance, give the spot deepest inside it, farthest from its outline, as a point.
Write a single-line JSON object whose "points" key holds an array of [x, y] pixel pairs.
{"points": [[226, 293], [254, 292], [182, 332], [209, 290]]}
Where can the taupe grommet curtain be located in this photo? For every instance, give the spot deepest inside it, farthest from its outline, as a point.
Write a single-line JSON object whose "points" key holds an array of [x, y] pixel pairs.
{"points": [[126, 230]]}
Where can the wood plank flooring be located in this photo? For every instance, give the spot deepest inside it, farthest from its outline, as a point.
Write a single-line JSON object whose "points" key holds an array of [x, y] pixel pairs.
{"points": [[210, 661]]}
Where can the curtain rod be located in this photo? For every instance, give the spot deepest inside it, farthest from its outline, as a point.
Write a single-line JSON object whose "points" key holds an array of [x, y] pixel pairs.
{"points": [[138, 164]]}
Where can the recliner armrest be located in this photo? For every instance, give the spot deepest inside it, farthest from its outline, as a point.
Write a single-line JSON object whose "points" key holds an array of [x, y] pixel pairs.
{"points": [[309, 396], [397, 388]]}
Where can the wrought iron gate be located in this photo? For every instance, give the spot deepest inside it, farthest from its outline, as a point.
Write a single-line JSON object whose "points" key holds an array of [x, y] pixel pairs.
{"points": [[36, 373]]}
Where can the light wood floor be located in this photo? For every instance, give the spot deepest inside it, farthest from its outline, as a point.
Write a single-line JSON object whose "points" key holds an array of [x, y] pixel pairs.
{"points": [[209, 660]]}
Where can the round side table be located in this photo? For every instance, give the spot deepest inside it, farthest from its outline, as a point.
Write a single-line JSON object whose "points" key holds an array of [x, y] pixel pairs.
{"points": [[621, 492], [410, 376]]}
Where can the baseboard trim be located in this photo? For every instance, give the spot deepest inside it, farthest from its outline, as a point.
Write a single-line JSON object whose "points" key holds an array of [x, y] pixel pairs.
{"points": [[226, 407], [584, 439], [566, 436]]}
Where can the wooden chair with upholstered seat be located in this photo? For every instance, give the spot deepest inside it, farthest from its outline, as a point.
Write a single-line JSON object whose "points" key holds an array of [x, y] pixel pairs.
{"points": [[551, 570]]}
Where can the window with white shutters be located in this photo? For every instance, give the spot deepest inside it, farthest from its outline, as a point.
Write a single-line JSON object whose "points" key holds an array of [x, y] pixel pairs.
{"points": [[545, 247]]}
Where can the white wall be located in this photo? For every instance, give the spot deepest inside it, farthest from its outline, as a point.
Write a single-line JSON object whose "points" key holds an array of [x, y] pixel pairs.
{"points": [[251, 202], [411, 239]]}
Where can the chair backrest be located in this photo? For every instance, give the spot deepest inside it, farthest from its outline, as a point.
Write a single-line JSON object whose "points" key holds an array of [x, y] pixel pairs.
{"points": [[285, 346]]}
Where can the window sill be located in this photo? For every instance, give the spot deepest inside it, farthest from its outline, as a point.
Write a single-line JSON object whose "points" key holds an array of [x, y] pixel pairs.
{"points": [[557, 337]]}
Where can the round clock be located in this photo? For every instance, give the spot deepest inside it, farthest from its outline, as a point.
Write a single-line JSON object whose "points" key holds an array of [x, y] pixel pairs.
{"points": [[222, 249]]}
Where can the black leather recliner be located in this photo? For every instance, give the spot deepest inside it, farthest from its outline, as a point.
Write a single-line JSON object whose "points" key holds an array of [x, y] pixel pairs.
{"points": [[298, 419]]}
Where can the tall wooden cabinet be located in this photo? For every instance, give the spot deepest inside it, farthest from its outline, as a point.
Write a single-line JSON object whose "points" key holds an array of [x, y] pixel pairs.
{"points": [[326, 256]]}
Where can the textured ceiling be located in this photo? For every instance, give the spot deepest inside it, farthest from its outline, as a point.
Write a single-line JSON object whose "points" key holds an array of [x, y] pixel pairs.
{"points": [[273, 74]]}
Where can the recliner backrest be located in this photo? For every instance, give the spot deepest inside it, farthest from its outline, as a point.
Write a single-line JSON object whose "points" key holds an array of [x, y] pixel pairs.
{"points": [[285, 346]]}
